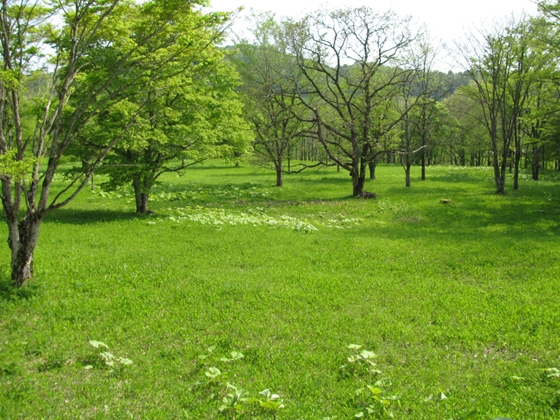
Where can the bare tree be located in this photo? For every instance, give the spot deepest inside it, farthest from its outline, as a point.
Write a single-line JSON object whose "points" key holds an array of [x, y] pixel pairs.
{"points": [[498, 62], [354, 62], [275, 113]]}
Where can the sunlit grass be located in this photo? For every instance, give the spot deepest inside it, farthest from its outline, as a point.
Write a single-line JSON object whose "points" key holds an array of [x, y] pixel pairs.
{"points": [[459, 298]]}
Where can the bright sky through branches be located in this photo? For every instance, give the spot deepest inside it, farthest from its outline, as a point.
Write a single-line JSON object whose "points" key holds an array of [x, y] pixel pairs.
{"points": [[446, 19]]}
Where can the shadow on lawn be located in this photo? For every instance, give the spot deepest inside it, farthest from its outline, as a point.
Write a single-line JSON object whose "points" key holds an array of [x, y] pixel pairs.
{"points": [[84, 217], [8, 292], [528, 212]]}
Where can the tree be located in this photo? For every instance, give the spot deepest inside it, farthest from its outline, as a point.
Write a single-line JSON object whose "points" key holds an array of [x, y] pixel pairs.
{"points": [[99, 52], [542, 119], [199, 118], [467, 117], [499, 66], [353, 62], [267, 73]]}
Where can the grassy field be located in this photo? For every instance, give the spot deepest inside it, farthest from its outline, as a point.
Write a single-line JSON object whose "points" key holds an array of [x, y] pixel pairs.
{"points": [[456, 306]]}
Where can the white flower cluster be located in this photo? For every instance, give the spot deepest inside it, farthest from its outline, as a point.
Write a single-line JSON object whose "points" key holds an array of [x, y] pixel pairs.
{"points": [[221, 217]]}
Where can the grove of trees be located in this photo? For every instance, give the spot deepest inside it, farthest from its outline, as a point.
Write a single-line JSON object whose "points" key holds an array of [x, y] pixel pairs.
{"points": [[137, 89]]}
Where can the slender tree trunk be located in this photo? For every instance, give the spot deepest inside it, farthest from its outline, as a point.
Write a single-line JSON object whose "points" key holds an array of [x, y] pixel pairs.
{"points": [[358, 183], [141, 194], [517, 162], [498, 179], [407, 175], [279, 176], [23, 242], [501, 170], [423, 165], [535, 164], [359, 174], [372, 166]]}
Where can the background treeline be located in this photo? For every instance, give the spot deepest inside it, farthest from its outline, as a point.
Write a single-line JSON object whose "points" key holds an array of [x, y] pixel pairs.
{"points": [[354, 87]]}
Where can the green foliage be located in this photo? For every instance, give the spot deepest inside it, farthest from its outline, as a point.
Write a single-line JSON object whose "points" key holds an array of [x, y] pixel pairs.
{"points": [[233, 400], [359, 362], [12, 167], [107, 358], [185, 106], [378, 403]]}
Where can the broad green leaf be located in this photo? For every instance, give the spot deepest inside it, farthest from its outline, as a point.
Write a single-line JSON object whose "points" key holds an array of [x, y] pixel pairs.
{"points": [[354, 346], [367, 354], [213, 372], [375, 390], [98, 344], [125, 361]]}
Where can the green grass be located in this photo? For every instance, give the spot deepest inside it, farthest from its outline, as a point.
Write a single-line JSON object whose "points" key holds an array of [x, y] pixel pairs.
{"points": [[459, 298]]}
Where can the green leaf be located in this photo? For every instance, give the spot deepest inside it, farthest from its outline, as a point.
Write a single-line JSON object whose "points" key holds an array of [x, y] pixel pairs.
{"points": [[235, 355], [213, 372], [265, 393], [354, 346], [440, 397], [98, 344], [125, 361], [272, 405], [367, 354]]}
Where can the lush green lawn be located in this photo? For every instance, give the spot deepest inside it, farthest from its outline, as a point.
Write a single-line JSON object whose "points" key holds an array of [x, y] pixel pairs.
{"points": [[460, 299]]}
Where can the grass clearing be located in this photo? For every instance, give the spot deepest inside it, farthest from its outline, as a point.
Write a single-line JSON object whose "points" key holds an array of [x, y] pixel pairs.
{"points": [[458, 298]]}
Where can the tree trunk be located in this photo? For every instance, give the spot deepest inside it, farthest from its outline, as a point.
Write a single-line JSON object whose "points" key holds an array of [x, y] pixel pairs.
{"points": [[279, 176], [517, 162], [372, 166], [407, 175], [498, 178], [141, 194], [358, 182], [535, 164], [423, 165], [23, 242]]}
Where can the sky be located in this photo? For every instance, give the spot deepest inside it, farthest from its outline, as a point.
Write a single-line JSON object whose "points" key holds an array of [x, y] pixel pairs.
{"points": [[446, 20]]}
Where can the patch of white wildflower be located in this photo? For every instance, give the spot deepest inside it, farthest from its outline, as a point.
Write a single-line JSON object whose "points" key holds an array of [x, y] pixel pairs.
{"points": [[221, 217], [192, 192], [340, 221]]}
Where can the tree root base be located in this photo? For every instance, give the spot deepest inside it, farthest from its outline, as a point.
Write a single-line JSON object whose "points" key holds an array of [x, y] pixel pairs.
{"points": [[367, 194]]}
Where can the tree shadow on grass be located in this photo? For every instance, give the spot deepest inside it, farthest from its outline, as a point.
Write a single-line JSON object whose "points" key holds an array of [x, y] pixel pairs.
{"points": [[9, 292], [84, 217], [523, 214]]}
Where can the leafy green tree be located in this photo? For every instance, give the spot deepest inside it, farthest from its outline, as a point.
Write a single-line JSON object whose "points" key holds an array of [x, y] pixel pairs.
{"points": [[542, 118], [191, 111], [469, 122], [101, 52]]}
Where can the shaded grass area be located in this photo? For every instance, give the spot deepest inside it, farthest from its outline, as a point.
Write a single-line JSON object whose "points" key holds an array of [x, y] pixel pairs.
{"points": [[460, 298]]}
